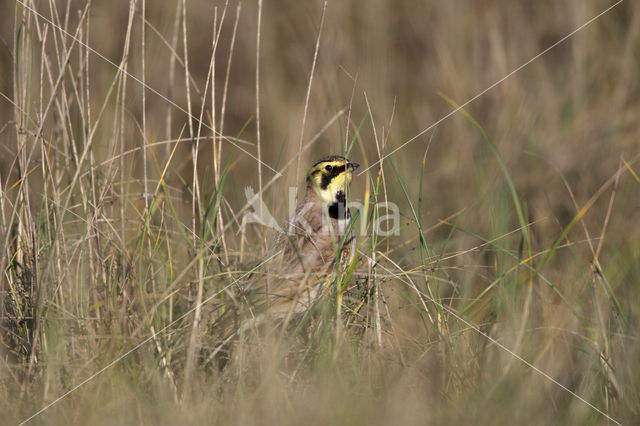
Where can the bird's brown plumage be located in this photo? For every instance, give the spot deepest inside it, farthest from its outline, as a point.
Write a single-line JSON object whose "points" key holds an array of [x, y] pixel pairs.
{"points": [[303, 253], [307, 244]]}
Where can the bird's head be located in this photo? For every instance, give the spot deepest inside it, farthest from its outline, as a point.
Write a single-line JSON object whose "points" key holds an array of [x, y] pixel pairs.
{"points": [[330, 177]]}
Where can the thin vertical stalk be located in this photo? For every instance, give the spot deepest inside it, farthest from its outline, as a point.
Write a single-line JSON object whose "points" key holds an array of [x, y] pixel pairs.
{"points": [[172, 68], [308, 95], [144, 107], [196, 209], [258, 141], [193, 338]]}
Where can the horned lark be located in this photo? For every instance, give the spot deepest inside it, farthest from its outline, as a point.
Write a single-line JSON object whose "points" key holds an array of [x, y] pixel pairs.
{"points": [[309, 241], [304, 251]]}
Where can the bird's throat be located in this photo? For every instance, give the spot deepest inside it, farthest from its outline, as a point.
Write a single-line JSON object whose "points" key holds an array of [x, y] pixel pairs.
{"points": [[338, 209]]}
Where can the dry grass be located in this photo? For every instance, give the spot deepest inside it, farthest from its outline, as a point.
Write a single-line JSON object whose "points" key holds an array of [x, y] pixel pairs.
{"points": [[510, 296]]}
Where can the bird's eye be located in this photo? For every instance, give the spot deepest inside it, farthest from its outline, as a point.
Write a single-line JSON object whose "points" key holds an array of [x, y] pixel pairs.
{"points": [[329, 168]]}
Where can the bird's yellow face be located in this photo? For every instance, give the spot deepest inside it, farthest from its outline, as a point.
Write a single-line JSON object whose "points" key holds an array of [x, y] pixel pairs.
{"points": [[330, 178]]}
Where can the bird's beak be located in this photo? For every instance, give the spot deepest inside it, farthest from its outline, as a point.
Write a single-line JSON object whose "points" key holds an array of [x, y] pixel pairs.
{"points": [[353, 166]]}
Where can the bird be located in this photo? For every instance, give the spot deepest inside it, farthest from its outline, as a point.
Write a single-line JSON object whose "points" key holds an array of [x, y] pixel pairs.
{"points": [[307, 244], [303, 253]]}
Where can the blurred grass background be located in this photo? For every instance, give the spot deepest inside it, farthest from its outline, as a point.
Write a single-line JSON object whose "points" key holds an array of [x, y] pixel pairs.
{"points": [[95, 260]]}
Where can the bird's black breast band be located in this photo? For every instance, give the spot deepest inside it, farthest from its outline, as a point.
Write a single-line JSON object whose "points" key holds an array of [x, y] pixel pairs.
{"points": [[338, 210]]}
